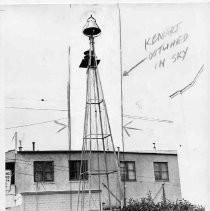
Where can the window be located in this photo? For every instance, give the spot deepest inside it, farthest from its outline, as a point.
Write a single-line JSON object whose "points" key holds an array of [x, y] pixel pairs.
{"points": [[75, 167], [161, 171], [43, 171], [11, 166], [127, 170]]}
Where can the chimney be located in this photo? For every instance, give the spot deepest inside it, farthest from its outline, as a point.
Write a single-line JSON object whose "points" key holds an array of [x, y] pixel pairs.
{"points": [[154, 146], [20, 147], [118, 156], [33, 143]]}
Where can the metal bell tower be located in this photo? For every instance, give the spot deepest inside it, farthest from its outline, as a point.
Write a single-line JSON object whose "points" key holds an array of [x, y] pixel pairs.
{"points": [[97, 136]]}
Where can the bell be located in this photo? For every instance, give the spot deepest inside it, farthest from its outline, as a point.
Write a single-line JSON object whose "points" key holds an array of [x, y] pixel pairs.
{"points": [[91, 28]]}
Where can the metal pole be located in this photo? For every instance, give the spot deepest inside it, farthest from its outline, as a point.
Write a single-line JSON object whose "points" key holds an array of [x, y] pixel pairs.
{"points": [[164, 194], [122, 112], [90, 130], [101, 125], [69, 117], [16, 140], [68, 100]]}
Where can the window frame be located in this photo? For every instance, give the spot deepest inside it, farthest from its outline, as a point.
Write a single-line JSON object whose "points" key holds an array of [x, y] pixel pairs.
{"points": [[78, 170], [43, 171], [160, 172], [127, 179]]}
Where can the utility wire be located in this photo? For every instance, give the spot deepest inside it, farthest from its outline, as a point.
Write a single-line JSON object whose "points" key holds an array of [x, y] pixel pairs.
{"points": [[30, 163], [32, 124], [65, 168], [157, 193], [42, 185], [62, 169], [143, 181], [34, 99], [39, 109]]}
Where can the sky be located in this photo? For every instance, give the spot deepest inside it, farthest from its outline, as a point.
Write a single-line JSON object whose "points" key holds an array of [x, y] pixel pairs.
{"points": [[35, 41]]}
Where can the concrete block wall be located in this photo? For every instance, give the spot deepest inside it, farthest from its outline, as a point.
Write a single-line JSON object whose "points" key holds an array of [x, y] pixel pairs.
{"points": [[57, 202]]}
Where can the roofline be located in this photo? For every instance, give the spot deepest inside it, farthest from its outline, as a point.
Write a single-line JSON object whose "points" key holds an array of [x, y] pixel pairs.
{"points": [[157, 152]]}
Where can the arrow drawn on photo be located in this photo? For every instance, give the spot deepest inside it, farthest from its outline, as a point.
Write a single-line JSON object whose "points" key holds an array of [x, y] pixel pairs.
{"points": [[189, 85], [126, 73], [129, 128], [64, 126]]}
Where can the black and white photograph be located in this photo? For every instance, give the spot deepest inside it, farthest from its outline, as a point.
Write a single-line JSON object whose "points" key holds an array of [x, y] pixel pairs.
{"points": [[105, 106]]}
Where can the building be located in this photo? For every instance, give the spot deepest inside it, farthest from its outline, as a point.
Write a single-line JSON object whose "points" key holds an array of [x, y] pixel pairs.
{"points": [[49, 180]]}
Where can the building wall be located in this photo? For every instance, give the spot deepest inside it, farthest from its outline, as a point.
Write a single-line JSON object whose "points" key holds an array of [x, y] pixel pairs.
{"points": [[25, 172], [10, 197], [145, 180], [144, 183]]}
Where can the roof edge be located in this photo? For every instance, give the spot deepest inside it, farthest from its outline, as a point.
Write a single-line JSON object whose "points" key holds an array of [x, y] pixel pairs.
{"points": [[164, 152]]}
